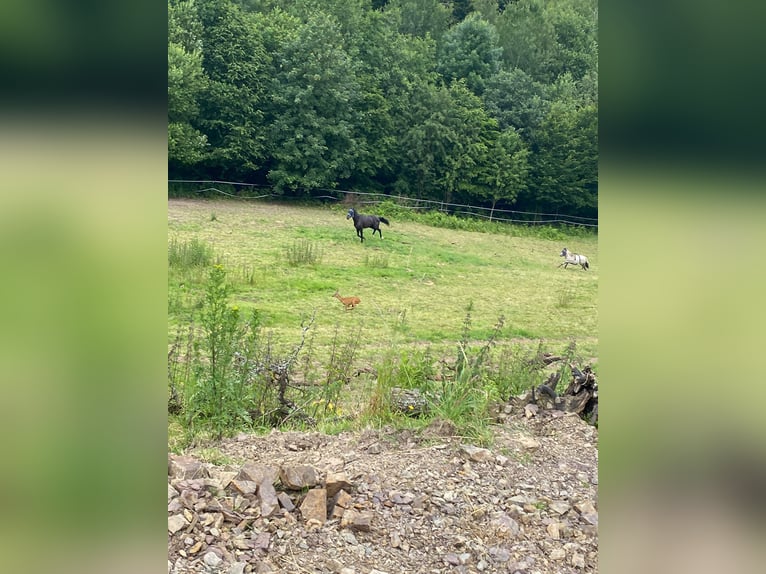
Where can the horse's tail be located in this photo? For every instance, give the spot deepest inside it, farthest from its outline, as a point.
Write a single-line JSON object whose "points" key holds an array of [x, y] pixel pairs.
{"points": [[384, 220]]}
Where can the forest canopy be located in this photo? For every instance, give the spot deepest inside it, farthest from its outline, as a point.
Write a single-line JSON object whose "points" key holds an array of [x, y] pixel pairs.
{"points": [[482, 102]]}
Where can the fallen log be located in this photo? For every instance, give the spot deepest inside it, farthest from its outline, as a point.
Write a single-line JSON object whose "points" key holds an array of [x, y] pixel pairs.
{"points": [[581, 396]]}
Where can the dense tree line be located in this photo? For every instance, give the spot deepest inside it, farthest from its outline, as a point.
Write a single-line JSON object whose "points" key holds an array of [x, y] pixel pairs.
{"points": [[487, 102]]}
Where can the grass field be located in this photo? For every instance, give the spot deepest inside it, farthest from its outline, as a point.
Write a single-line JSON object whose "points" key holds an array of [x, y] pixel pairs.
{"points": [[415, 285]]}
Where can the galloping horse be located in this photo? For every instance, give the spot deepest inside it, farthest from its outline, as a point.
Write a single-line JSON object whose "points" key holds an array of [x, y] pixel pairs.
{"points": [[361, 221], [573, 259]]}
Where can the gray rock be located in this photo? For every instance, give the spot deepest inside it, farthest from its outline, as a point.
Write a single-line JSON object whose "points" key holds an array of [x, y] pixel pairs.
{"points": [[559, 506], [590, 518], [268, 497], [245, 487], [285, 501], [396, 540], [185, 467], [558, 554], [578, 560], [258, 473], [362, 522], [401, 498], [336, 481], [176, 523], [499, 554], [529, 443], [221, 478], [452, 559], [262, 541], [298, 477], [212, 559], [531, 410], [475, 453], [410, 402], [585, 507], [505, 526], [349, 537]]}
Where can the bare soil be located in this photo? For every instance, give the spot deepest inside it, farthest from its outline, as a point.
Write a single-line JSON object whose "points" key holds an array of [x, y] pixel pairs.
{"points": [[526, 505]]}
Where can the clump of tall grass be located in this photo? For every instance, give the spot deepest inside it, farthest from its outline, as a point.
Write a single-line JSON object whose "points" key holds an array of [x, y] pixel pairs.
{"points": [[461, 393], [303, 252], [189, 254], [376, 260], [516, 371]]}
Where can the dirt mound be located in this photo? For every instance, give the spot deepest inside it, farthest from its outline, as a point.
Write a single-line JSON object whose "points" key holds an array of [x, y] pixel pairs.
{"points": [[388, 501]]}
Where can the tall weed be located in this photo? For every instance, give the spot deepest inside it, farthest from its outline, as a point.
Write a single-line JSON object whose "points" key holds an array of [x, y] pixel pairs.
{"points": [[189, 254], [224, 364], [303, 252]]}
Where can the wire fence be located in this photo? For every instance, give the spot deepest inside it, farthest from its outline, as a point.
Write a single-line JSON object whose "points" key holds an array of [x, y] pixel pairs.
{"points": [[371, 198]]}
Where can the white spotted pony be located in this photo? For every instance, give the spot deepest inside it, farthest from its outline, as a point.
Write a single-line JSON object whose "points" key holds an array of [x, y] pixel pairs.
{"points": [[573, 259]]}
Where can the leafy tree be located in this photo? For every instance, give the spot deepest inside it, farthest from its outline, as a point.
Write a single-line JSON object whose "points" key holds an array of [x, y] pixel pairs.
{"points": [[515, 100], [184, 26], [548, 39], [315, 103], [564, 174], [186, 84], [237, 66], [507, 168], [447, 149], [186, 81], [527, 38], [575, 31], [408, 80], [468, 167], [461, 9], [469, 50], [422, 17]]}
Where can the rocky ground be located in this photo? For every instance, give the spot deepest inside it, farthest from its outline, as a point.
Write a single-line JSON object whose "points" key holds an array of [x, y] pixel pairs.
{"points": [[388, 501]]}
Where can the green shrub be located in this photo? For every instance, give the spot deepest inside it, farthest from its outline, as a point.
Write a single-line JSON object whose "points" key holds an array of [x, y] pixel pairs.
{"points": [[222, 396]]}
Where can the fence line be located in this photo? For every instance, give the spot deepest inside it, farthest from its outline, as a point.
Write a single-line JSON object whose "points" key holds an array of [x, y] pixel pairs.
{"points": [[429, 204]]}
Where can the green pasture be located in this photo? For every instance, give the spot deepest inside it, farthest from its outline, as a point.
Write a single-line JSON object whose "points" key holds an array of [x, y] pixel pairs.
{"points": [[415, 284]]}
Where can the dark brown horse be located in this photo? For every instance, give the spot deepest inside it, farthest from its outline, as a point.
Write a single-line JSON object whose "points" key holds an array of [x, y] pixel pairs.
{"points": [[361, 221]]}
